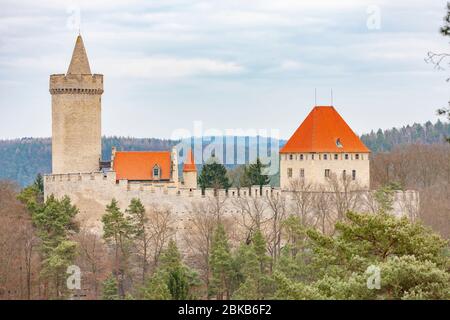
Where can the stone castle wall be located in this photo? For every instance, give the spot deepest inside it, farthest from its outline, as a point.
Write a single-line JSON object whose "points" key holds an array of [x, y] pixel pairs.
{"points": [[91, 192]]}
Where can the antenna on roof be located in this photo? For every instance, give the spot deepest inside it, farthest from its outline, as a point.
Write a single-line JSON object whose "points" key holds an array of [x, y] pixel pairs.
{"points": [[331, 96], [315, 97]]}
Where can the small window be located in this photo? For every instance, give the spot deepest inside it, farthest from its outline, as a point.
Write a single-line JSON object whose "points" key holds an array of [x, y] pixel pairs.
{"points": [[353, 174], [301, 157], [289, 172], [344, 174], [327, 173], [302, 173], [346, 156], [312, 156], [335, 156], [156, 172], [325, 157], [357, 156], [291, 157]]}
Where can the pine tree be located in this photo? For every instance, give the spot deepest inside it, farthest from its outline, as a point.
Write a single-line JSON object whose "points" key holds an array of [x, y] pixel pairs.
{"points": [[179, 278], [139, 220], [257, 284], [53, 219], [118, 232], [221, 265], [254, 175], [213, 175], [156, 288], [110, 289]]}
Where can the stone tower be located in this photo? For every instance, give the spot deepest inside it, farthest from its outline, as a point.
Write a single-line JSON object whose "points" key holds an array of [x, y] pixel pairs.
{"points": [[190, 172], [76, 116]]}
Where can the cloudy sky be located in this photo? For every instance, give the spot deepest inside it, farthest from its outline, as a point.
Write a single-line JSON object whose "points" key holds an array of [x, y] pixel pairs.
{"points": [[249, 64]]}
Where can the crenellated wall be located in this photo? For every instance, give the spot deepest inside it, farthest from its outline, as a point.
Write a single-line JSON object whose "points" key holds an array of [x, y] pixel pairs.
{"points": [[91, 192]]}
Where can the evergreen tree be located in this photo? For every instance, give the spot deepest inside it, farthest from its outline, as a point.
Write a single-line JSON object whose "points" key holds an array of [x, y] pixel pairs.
{"points": [[412, 262], [156, 288], [173, 279], [254, 175], [54, 220], [118, 231], [110, 289], [221, 265], [213, 175], [257, 284], [139, 220]]}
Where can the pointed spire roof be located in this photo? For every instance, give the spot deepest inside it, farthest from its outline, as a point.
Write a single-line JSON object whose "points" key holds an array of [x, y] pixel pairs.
{"points": [[324, 130], [79, 63], [189, 163]]}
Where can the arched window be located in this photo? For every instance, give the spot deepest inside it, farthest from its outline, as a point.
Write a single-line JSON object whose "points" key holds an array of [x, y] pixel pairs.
{"points": [[156, 172]]}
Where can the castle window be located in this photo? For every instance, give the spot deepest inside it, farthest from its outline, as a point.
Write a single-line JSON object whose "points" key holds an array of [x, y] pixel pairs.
{"points": [[335, 156], [301, 157], [302, 173], [289, 172], [156, 172], [325, 157], [291, 157], [327, 173], [346, 156], [353, 174], [344, 174], [357, 156], [312, 156]]}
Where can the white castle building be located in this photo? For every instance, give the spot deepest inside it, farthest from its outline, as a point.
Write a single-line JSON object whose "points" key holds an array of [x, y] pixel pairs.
{"points": [[322, 150]]}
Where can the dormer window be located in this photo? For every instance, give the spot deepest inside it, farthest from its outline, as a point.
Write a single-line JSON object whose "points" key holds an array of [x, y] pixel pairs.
{"points": [[156, 172], [338, 143]]}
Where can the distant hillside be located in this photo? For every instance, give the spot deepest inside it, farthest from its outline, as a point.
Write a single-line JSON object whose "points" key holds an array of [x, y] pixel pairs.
{"points": [[22, 159], [427, 133]]}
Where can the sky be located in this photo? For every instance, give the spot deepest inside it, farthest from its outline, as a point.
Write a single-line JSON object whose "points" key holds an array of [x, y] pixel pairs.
{"points": [[171, 66]]}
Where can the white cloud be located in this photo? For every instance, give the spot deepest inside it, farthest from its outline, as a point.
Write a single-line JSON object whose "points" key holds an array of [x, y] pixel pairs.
{"points": [[167, 67]]}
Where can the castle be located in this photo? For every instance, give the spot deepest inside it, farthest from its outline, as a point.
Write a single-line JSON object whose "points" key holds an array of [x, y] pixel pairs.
{"points": [[322, 150]]}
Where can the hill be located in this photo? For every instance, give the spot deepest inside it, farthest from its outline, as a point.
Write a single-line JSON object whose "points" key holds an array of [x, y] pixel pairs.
{"points": [[21, 159]]}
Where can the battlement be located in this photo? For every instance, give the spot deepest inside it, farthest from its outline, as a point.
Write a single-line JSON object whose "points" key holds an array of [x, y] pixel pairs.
{"points": [[107, 180], [76, 84]]}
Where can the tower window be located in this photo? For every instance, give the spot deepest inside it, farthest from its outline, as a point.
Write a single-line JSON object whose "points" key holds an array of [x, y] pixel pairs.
{"points": [[357, 156], [346, 156], [335, 156], [327, 173], [289, 172], [291, 157], [312, 156], [325, 157], [302, 173], [353, 174], [301, 157], [344, 174]]}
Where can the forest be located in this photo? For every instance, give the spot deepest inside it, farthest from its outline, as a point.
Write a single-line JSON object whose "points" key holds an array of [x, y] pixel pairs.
{"points": [[143, 253]]}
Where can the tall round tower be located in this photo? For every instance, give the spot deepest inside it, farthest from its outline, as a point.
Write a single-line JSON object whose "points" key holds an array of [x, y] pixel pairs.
{"points": [[76, 116]]}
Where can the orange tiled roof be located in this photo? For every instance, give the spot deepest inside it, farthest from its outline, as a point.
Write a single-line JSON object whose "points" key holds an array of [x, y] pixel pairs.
{"points": [[138, 165], [324, 130], [189, 164]]}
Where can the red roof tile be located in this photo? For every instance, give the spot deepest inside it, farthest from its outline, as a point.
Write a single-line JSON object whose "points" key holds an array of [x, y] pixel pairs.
{"points": [[138, 165], [324, 130]]}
